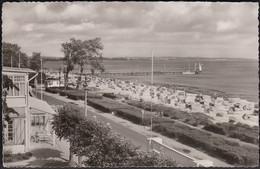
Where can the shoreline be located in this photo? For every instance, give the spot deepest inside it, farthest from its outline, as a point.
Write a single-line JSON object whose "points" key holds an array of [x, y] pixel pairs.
{"points": [[189, 89]]}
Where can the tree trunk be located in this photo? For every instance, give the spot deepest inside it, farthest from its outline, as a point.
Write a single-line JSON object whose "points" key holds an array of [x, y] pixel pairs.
{"points": [[79, 78], [66, 79], [71, 155], [80, 161]]}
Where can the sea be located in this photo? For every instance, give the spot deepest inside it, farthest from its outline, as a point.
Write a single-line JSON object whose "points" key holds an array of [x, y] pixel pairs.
{"points": [[236, 77]]}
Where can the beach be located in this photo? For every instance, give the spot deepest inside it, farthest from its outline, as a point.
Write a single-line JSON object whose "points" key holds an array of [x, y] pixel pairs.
{"points": [[215, 104], [221, 109]]}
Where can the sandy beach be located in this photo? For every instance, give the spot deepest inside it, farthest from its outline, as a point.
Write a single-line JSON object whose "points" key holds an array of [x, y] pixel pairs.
{"points": [[214, 104]]}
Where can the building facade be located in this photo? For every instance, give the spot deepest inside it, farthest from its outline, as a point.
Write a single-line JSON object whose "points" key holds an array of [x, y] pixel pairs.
{"points": [[16, 133]]}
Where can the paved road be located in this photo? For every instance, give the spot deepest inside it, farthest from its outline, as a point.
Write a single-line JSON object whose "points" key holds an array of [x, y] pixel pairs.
{"points": [[135, 137]]}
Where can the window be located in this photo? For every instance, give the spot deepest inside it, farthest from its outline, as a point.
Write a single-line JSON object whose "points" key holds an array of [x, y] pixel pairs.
{"points": [[18, 78], [10, 131], [38, 120], [18, 81]]}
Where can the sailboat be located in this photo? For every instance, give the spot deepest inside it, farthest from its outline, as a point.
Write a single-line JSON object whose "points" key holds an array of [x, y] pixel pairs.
{"points": [[197, 70], [188, 72]]}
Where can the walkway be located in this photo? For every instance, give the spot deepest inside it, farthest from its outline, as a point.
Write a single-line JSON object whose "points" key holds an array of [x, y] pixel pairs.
{"points": [[43, 155]]}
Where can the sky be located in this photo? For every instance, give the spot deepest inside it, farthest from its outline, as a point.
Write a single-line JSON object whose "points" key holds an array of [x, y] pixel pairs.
{"points": [[131, 29]]}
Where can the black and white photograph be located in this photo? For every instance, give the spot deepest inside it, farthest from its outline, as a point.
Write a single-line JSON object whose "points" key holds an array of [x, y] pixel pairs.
{"points": [[130, 84]]}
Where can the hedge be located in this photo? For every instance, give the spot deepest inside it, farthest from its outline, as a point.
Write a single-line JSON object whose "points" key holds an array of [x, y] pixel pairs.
{"points": [[215, 129], [194, 119], [72, 93], [230, 151], [110, 95], [241, 131], [96, 104], [55, 89]]}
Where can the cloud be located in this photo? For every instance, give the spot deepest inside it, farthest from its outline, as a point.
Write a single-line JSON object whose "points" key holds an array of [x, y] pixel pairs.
{"points": [[172, 28], [223, 26]]}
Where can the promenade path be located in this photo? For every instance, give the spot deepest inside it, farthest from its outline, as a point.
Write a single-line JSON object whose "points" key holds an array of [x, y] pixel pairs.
{"points": [[43, 155], [137, 134]]}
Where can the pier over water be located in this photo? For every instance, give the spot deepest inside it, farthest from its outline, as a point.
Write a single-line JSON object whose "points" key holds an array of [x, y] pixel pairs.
{"points": [[136, 73]]}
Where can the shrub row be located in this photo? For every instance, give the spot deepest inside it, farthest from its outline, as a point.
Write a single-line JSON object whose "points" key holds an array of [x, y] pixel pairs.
{"points": [[56, 89], [125, 111], [240, 131], [110, 95], [72, 93], [215, 129], [97, 105], [17, 157], [230, 151], [105, 104], [194, 119]]}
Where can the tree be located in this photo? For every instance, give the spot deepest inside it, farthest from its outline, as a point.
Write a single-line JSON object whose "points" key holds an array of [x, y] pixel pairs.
{"points": [[99, 144], [65, 122], [7, 84], [92, 56], [82, 53], [35, 61], [10, 56], [69, 51]]}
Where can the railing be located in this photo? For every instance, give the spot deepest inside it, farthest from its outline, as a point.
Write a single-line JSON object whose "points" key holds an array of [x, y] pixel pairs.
{"points": [[183, 159]]}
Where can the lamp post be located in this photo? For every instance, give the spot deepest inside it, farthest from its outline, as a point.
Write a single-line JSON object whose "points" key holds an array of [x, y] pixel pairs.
{"points": [[11, 60], [19, 59], [142, 116], [41, 79], [85, 100], [152, 95]]}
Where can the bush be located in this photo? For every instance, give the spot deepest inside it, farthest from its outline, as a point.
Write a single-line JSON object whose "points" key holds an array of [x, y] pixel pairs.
{"points": [[215, 129], [16, 157], [63, 93], [110, 95], [97, 105], [194, 119], [105, 104], [241, 131], [129, 116], [76, 95], [230, 151]]}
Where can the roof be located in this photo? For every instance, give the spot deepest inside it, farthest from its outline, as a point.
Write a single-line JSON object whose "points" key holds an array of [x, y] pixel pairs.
{"points": [[40, 106], [20, 111], [16, 69]]}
